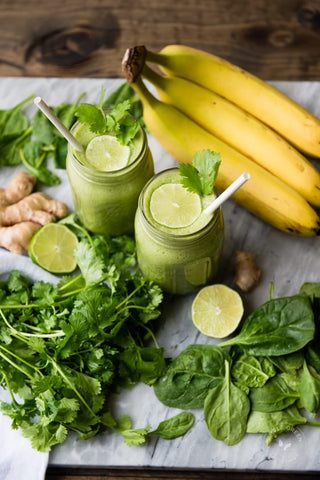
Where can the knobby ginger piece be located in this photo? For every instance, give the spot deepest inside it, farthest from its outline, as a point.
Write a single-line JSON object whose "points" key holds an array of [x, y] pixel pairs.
{"points": [[17, 237], [22, 213], [36, 207], [247, 272], [19, 187]]}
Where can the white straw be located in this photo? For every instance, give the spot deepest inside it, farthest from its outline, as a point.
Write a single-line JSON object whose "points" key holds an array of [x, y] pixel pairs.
{"points": [[227, 193], [57, 123]]}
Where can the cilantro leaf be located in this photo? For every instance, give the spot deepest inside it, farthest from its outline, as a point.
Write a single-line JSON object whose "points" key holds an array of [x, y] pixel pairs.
{"points": [[207, 163], [92, 116], [200, 177], [190, 178]]}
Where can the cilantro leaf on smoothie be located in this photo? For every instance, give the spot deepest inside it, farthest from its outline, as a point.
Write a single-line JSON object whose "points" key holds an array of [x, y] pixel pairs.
{"points": [[117, 121], [201, 175]]}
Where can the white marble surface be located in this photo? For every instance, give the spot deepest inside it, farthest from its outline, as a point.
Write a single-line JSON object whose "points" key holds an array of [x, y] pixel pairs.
{"points": [[287, 261]]}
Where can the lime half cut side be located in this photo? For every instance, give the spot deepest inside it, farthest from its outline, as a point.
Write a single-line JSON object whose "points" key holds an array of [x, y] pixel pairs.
{"points": [[52, 248], [173, 206], [105, 153], [217, 310]]}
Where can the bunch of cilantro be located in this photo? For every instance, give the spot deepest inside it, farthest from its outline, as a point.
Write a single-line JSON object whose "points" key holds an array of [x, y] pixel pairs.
{"points": [[32, 142], [65, 348]]}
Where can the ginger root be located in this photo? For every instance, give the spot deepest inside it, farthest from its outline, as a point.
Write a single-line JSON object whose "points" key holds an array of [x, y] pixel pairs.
{"points": [[17, 237], [22, 213], [247, 272]]}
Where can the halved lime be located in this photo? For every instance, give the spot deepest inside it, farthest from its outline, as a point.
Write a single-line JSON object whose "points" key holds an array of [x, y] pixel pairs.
{"points": [[105, 153], [172, 205], [52, 248], [217, 310]]}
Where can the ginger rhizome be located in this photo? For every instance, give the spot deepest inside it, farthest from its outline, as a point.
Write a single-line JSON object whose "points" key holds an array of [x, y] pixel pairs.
{"points": [[22, 212], [247, 272]]}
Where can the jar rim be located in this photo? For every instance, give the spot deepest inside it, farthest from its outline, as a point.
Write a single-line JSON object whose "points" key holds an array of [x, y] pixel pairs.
{"points": [[113, 173], [160, 234]]}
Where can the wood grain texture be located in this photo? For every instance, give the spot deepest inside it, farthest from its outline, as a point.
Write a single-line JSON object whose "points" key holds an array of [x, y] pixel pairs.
{"points": [[155, 474], [277, 40]]}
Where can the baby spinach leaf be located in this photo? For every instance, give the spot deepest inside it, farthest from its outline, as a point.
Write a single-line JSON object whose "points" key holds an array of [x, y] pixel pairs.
{"points": [[290, 363], [275, 422], [226, 409], [310, 389], [141, 364], [278, 327], [252, 371], [276, 394], [175, 426], [190, 376]]}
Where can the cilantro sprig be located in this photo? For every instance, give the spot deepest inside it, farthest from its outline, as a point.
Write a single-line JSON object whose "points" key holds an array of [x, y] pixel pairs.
{"points": [[200, 176], [117, 121], [65, 348]]}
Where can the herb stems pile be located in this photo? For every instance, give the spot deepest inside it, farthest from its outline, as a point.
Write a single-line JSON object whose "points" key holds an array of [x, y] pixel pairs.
{"points": [[65, 348]]}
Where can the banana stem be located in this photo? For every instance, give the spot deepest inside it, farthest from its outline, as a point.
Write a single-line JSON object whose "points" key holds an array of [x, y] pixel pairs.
{"points": [[153, 77], [143, 92], [154, 57], [133, 62]]}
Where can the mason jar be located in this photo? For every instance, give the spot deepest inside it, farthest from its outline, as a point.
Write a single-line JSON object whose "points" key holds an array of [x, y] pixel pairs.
{"points": [[106, 201], [179, 264]]}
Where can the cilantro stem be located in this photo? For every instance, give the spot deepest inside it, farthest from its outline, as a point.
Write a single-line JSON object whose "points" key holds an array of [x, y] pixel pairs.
{"points": [[53, 333], [73, 280], [137, 307], [71, 385], [129, 296], [58, 333], [313, 424], [16, 366], [9, 389], [21, 359]]}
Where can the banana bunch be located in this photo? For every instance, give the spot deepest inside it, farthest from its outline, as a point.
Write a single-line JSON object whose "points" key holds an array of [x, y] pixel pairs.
{"points": [[205, 102]]}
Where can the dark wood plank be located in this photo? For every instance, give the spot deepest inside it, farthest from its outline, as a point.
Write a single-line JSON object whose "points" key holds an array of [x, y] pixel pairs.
{"points": [[155, 474], [275, 40]]}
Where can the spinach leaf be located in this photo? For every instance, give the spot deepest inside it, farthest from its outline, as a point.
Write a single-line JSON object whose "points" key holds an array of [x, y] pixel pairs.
{"points": [[291, 363], [226, 409], [275, 422], [190, 376], [310, 389], [141, 364], [276, 394], [278, 327], [175, 426], [252, 371]]}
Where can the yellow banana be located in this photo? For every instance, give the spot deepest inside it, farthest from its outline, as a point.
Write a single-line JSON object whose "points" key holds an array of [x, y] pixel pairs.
{"points": [[265, 102], [241, 130], [264, 195]]}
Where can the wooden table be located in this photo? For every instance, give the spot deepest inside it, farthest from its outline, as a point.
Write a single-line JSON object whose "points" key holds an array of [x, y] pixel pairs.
{"points": [[276, 40]]}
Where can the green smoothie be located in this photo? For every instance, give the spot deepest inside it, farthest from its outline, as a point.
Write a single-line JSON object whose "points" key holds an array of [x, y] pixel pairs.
{"points": [[107, 178], [178, 245]]}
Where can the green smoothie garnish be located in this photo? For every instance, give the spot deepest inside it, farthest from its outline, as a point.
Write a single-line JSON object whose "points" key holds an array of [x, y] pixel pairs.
{"points": [[200, 176], [117, 122]]}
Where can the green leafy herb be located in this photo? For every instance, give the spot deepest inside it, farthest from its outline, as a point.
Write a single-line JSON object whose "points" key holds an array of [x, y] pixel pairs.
{"points": [[64, 348], [200, 177], [116, 121]]}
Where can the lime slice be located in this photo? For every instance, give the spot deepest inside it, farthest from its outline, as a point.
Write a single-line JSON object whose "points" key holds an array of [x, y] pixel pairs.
{"points": [[52, 248], [105, 153], [217, 310], [172, 205]]}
